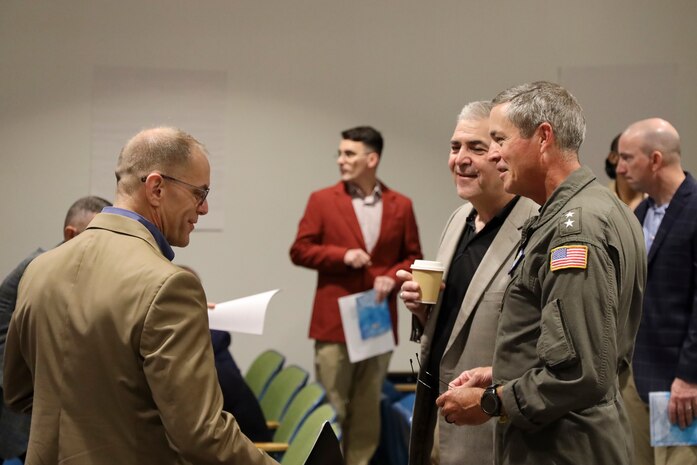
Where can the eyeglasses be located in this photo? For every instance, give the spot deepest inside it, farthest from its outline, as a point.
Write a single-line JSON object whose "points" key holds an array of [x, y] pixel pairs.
{"points": [[199, 192], [350, 154], [418, 377]]}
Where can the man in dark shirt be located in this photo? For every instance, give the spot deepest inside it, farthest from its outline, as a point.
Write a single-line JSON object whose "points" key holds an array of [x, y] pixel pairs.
{"points": [[458, 332]]}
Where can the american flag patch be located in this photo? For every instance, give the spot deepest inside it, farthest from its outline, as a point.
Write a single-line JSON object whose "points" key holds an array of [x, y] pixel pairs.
{"points": [[569, 256]]}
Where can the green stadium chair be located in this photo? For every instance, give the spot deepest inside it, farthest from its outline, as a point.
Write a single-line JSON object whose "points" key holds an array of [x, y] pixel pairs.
{"points": [[263, 368], [281, 391]]}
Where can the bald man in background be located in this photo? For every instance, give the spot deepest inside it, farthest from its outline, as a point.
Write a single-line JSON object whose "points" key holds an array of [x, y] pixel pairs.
{"points": [[665, 354]]}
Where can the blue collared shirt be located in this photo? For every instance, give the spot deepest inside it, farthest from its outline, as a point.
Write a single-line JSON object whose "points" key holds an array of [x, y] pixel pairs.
{"points": [[652, 221], [156, 233]]}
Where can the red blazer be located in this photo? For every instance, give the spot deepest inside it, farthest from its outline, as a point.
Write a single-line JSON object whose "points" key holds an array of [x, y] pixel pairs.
{"points": [[328, 229]]}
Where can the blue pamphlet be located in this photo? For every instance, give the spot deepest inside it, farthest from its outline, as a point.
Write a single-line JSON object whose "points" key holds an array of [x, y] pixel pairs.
{"points": [[663, 432], [373, 317], [367, 325]]}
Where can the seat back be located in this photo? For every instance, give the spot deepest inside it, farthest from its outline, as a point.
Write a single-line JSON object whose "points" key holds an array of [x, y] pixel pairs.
{"points": [[405, 409], [281, 390], [263, 368], [300, 448], [304, 402]]}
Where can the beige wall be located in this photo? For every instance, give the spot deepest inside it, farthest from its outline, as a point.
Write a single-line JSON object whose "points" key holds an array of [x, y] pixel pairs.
{"points": [[298, 73]]}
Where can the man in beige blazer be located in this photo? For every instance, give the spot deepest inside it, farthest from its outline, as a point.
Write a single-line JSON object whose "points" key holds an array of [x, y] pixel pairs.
{"points": [[458, 333], [109, 346]]}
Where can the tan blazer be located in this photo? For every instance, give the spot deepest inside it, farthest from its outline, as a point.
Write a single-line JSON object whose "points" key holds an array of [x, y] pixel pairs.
{"points": [[471, 342], [116, 341]]}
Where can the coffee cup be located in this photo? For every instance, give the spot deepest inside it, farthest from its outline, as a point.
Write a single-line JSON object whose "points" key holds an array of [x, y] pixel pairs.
{"points": [[429, 275]]}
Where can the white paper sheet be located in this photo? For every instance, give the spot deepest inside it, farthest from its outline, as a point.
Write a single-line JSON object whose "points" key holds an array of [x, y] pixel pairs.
{"points": [[244, 315], [359, 348]]}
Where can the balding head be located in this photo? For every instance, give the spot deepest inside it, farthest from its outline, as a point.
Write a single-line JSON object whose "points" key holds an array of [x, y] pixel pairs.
{"points": [[650, 158], [163, 149], [163, 174], [656, 134]]}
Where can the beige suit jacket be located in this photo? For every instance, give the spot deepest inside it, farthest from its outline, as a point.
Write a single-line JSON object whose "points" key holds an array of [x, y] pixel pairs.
{"points": [[109, 349], [471, 342]]}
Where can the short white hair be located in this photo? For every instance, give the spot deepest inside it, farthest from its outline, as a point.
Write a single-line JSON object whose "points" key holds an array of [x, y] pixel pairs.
{"points": [[476, 110]]}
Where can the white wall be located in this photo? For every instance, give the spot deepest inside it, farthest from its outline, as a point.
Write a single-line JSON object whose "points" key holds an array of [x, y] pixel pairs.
{"points": [[298, 73]]}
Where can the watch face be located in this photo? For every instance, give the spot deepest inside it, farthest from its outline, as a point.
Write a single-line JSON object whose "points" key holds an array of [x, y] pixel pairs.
{"points": [[490, 402]]}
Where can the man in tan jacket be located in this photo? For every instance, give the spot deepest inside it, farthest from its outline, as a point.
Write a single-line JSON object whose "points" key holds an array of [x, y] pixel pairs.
{"points": [[109, 346], [458, 333]]}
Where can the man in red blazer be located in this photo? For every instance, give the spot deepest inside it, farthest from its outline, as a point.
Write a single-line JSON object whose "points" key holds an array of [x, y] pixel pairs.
{"points": [[356, 234]]}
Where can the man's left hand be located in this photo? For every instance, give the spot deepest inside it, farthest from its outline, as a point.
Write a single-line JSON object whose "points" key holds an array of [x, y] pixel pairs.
{"points": [[383, 285], [475, 377], [461, 406], [683, 402]]}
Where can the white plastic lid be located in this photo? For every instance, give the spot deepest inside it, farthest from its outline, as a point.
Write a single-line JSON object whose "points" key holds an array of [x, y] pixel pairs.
{"points": [[427, 265]]}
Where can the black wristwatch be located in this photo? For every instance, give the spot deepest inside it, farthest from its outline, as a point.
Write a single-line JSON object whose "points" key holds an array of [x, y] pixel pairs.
{"points": [[490, 402]]}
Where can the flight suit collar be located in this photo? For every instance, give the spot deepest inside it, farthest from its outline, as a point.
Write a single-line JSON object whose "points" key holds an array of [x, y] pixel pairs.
{"points": [[574, 183]]}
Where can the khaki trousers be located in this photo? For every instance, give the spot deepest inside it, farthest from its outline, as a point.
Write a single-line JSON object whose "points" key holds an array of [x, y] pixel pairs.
{"points": [[354, 390], [638, 413]]}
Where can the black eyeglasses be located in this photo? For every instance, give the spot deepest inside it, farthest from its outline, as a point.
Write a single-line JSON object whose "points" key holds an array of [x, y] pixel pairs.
{"points": [[418, 377], [199, 192]]}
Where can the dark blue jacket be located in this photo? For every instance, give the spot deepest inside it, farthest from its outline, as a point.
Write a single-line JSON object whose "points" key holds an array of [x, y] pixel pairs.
{"points": [[666, 344], [238, 399]]}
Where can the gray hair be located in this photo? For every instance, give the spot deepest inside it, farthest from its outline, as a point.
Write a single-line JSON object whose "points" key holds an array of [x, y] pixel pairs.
{"points": [[161, 148], [534, 103], [476, 111]]}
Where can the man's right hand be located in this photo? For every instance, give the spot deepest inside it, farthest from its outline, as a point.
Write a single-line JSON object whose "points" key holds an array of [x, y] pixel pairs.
{"points": [[410, 292], [683, 403], [356, 258]]}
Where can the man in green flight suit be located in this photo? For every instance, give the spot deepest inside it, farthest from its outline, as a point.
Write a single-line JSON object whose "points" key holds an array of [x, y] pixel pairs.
{"points": [[571, 312]]}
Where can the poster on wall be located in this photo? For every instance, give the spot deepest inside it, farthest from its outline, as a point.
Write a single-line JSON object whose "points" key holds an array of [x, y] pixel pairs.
{"points": [[126, 100]]}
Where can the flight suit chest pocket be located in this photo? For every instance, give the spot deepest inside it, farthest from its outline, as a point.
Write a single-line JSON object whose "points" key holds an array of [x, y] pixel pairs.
{"points": [[555, 346]]}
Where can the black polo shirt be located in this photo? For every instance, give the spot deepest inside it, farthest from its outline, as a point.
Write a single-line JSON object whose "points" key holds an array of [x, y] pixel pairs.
{"points": [[469, 253]]}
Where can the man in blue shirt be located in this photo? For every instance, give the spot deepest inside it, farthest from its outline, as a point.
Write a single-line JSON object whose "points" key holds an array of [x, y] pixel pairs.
{"points": [[665, 355], [109, 345]]}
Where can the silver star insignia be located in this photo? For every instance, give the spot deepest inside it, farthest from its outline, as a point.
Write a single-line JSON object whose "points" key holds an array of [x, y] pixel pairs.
{"points": [[569, 214], [569, 223]]}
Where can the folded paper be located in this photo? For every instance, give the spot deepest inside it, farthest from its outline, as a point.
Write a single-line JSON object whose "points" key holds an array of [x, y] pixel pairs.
{"points": [[244, 315]]}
